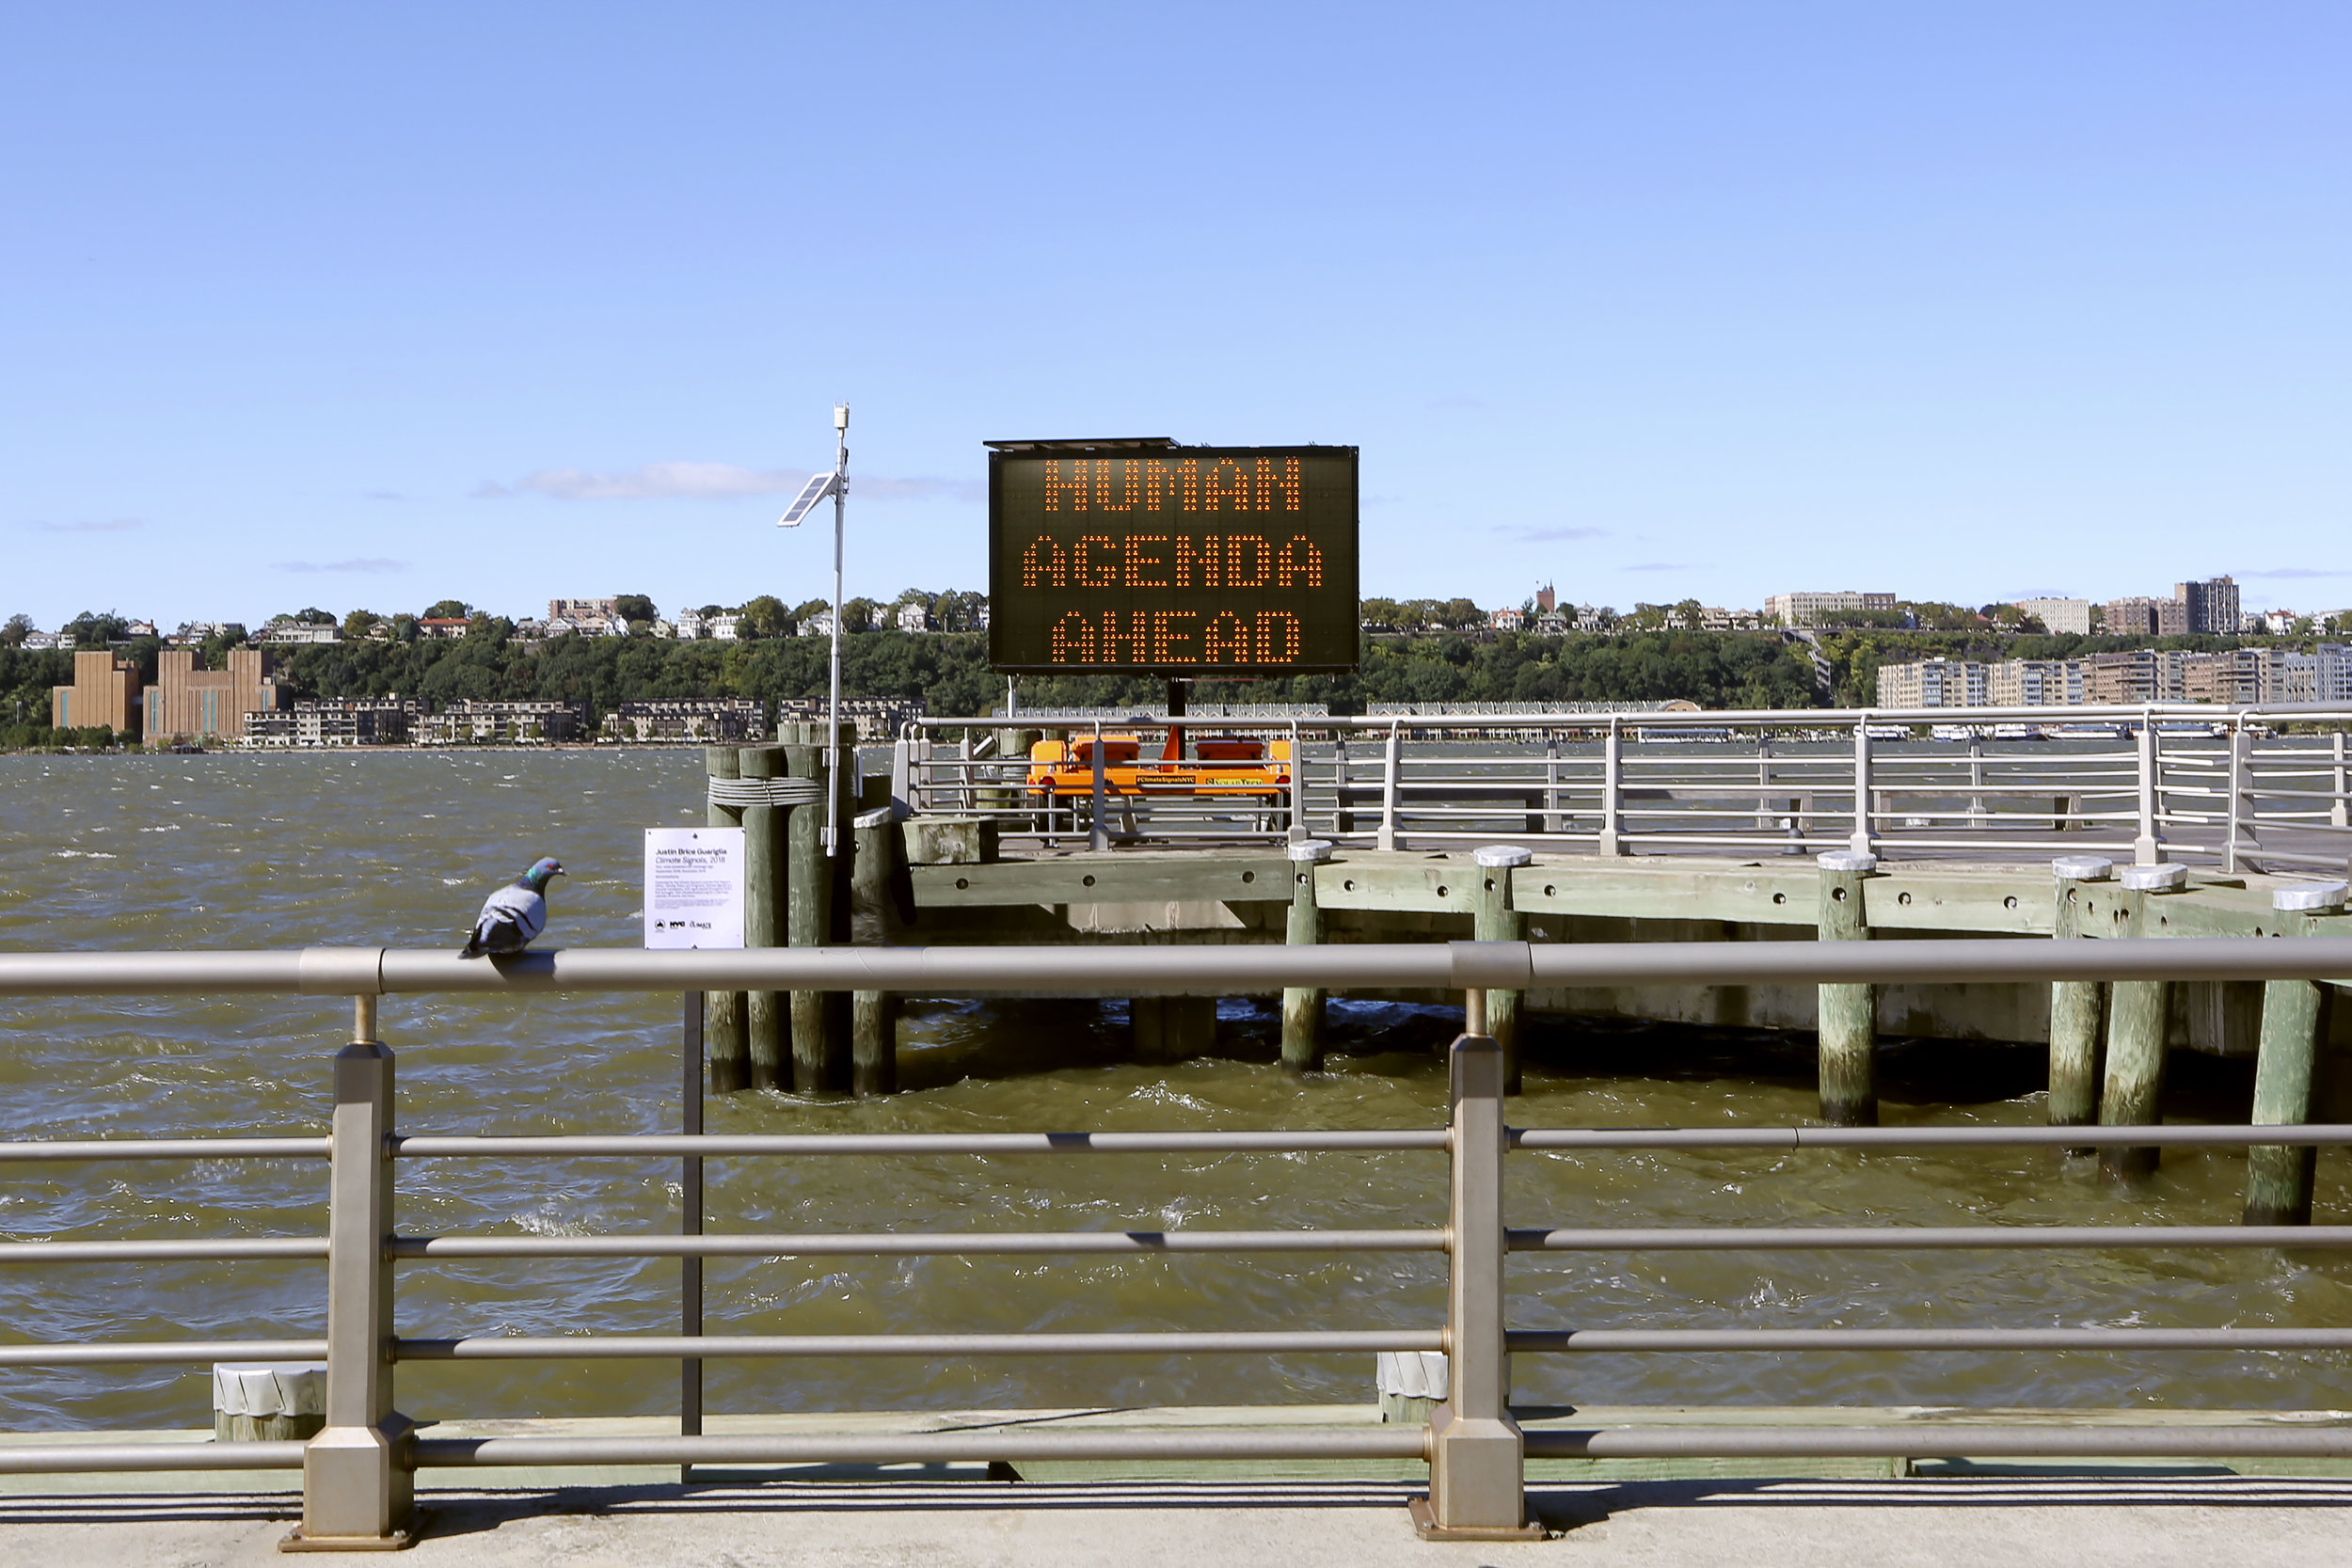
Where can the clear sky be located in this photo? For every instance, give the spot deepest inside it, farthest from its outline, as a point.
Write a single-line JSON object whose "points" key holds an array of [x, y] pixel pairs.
{"points": [[370, 305]]}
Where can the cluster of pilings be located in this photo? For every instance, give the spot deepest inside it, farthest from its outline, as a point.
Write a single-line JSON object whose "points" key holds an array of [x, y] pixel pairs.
{"points": [[2107, 1039], [796, 895]]}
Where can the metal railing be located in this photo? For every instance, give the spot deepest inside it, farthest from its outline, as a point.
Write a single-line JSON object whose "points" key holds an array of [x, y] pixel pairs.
{"points": [[358, 1471], [2158, 781]]}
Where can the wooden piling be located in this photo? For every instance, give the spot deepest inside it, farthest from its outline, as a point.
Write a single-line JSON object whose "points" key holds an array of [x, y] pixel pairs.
{"points": [[2132, 1094], [1493, 919], [2294, 1021], [2076, 1005], [722, 1011], [808, 914], [1172, 1029], [765, 880], [874, 1014], [1846, 1015], [1302, 1007]]}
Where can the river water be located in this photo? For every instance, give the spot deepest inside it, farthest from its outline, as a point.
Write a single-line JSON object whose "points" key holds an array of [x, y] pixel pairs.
{"points": [[287, 849]]}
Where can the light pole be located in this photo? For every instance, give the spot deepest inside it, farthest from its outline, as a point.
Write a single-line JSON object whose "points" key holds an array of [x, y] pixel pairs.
{"points": [[836, 484]]}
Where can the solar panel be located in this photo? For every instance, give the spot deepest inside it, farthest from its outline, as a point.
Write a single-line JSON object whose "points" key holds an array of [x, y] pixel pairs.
{"points": [[817, 489]]}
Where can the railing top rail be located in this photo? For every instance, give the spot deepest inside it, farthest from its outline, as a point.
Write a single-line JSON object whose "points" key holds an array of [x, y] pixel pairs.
{"points": [[1169, 971], [1705, 719]]}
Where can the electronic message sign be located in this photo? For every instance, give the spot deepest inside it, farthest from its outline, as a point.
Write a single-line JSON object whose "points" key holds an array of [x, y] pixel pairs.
{"points": [[1146, 556]]}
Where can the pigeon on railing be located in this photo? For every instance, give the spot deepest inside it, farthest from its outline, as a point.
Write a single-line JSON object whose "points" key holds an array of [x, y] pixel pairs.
{"points": [[514, 914]]}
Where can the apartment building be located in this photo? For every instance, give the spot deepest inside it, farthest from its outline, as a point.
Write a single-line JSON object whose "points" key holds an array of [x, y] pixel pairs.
{"points": [[1806, 609], [2060, 615], [2210, 606], [189, 704], [105, 690], [681, 719], [2144, 617], [475, 722], [2034, 682], [335, 721], [1932, 682]]}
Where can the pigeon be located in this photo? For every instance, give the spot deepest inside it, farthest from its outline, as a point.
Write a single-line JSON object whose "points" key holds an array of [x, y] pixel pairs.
{"points": [[514, 914]]}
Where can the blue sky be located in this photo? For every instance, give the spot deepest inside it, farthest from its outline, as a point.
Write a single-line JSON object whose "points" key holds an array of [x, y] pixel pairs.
{"points": [[373, 306]]}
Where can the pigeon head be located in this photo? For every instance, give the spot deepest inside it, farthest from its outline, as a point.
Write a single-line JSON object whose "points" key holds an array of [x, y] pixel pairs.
{"points": [[536, 877]]}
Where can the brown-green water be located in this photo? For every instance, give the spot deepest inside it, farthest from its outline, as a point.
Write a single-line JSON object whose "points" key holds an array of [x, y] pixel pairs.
{"points": [[289, 849]]}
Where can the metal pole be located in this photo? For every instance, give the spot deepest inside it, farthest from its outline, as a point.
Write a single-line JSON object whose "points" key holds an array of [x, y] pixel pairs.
{"points": [[840, 502], [1859, 840], [1476, 1471], [1099, 837], [1396, 762], [1298, 831], [356, 1486], [1611, 788], [2243, 835], [690, 1395], [2147, 849]]}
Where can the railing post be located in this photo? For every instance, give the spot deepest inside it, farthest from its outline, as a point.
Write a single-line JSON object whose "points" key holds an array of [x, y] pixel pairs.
{"points": [[1099, 835], [1296, 832], [2338, 810], [2294, 1021], [2138, 1013], [2147, 849], [1476, 1454], [903, 775], [1551, 784], [1846, 1015], [2075, 1005], [2242, 835], [358, 1488], [1611, 789], [1766, 821], [1342, 819], [1976, 778], [1388, 786], [1860, 841]]}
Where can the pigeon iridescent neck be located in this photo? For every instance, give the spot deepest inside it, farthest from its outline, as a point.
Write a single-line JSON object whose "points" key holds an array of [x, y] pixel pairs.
{"points": [[536, 877]]}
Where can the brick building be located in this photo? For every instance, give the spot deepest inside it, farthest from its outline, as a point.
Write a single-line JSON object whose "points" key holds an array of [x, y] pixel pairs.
{"points": [[105, 690], [189, 704]]}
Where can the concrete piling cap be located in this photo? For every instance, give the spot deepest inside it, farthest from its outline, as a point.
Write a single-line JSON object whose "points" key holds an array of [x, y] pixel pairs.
{"points": [[1310, 849], [1846, 859], [2083, 868], [2316, 898], [1501, 855], [2157, 879]]}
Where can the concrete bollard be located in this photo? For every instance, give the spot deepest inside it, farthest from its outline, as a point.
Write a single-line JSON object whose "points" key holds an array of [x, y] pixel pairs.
{"points": [[2295, 1020], [2076, 1005], [722, 1011], [1302, 1007], [268, 1401], [2132, 1094], [1495, 920], [1845, 1014], [765, 885]]}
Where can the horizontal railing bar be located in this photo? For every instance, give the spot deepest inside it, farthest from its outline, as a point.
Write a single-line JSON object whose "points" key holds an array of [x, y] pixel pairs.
{"points": [[1922, 1439], [918, 1244], [170, 1148], [670, 1347], [224, 1250], [1926, 1238], [162, 1352], [66, 1459], [1925, 1138], [1114, 970], [1686, 1341], [714, 1144], [997, 1441]]}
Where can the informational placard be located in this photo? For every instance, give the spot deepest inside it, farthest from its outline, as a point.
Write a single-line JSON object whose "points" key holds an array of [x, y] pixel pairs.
{"points": [[694, 887], [1202, 561]]}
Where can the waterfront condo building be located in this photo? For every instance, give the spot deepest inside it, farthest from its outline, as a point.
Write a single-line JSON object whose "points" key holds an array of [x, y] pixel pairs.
{"points": [[189, 704], [105, 690], [2210, 606]]}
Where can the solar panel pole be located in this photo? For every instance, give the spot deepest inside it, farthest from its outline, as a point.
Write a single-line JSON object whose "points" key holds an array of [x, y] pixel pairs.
{"points": [[832, 742]]}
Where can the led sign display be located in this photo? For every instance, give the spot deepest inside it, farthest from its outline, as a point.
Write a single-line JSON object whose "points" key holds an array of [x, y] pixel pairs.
{"points": [[1188, 560]]}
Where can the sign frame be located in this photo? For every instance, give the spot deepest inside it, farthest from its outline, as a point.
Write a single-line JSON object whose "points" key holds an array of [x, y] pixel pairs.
{"points": [[1321, 619], [691, 912]]}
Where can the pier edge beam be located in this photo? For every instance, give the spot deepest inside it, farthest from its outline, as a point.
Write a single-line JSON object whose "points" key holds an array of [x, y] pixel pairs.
{"points": [[2278, 1176], [722, 1011], [1846, 1017], [1302, 1005], [874, 1014], [766, 886], [2076, 1005], [2132, 1092], [1495, 920]]}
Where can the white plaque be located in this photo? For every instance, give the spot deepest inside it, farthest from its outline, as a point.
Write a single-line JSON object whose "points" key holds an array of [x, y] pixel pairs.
{"points": [[693, 887]]}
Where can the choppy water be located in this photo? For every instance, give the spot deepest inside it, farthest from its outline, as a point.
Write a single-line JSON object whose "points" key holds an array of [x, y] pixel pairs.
{"points": [[287, 849]]}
